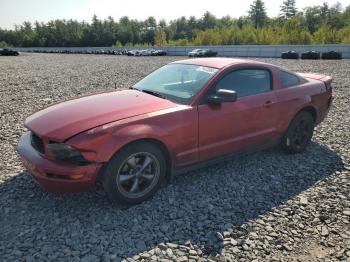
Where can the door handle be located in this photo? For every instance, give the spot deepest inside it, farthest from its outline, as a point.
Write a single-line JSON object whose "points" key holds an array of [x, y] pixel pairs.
{"points": [[268, 103]]}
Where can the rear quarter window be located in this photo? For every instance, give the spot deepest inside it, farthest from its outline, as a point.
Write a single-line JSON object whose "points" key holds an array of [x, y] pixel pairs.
{"points": [[288, 79]]}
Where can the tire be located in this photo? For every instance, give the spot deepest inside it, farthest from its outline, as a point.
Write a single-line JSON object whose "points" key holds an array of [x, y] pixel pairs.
{"points": [[299, 133], [128, 175], [332, 55], [313, 55], [290, 55]]}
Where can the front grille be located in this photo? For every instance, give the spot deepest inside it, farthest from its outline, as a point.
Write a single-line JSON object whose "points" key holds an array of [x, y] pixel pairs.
{"points": [[37, 143]]}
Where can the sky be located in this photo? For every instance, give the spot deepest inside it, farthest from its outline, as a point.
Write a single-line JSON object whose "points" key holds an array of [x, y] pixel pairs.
{"points": [[17, 11]]}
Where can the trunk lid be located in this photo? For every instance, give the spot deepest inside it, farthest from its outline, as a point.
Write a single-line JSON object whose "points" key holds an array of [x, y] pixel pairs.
{"points": [[327, 80]]}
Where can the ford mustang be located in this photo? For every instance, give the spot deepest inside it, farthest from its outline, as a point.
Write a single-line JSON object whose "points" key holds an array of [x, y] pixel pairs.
{"points": [[185, 114]]}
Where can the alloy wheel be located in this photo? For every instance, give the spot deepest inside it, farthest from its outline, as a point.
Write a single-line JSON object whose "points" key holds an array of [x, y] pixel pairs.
{"points": [[138, 174], [301, 133]]}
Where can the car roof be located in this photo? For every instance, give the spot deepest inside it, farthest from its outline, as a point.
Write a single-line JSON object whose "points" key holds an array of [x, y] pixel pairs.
{"points": [[218, 62]]}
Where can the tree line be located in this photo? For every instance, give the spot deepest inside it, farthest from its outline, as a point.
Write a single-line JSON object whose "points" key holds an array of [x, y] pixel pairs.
{"points": [[320, 24]]}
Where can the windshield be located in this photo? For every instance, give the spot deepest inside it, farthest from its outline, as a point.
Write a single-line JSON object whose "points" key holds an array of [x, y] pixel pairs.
{"points": [[177, 82]]}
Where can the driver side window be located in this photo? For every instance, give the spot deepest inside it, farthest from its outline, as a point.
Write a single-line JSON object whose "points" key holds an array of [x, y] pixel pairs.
{"points": [[246, 82]]}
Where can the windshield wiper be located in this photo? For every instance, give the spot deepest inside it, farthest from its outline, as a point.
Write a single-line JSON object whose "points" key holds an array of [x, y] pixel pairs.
{"points": [[152, 93]]}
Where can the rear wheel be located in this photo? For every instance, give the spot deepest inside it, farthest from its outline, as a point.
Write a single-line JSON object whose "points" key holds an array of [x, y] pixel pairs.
{"points": [[299, 133], [135, 173]]}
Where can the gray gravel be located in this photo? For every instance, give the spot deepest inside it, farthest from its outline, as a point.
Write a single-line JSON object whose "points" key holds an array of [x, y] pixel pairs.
{"points": [[266, 206]]}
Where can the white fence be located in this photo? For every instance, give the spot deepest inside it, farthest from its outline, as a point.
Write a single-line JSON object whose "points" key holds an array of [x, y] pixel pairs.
{"points": [[262, 50], [229, 50]]}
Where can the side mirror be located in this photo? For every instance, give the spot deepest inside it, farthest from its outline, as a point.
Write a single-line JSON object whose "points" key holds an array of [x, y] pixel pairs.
{"points": [[221, 96]]}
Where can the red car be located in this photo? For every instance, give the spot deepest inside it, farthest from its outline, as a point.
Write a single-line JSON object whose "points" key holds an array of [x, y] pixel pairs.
{"points": [[185, 114]]}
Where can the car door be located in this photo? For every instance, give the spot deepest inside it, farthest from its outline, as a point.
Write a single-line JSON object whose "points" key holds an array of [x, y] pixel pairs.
{"points": [[232, 126]]}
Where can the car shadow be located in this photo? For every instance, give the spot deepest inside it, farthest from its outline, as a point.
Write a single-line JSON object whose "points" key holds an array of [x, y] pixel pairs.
{"points": [[193, 208]]}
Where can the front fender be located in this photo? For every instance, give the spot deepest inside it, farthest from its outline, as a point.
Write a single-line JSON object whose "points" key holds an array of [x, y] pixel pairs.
{"points": [[177, 130], [101, 145], [128, 134]]}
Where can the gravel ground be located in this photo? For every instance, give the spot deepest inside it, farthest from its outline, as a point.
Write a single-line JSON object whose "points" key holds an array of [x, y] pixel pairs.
{"points": [[266, 206]]}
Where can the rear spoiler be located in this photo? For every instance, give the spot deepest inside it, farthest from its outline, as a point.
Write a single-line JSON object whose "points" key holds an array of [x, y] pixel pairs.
{"points": [[327, 80]]}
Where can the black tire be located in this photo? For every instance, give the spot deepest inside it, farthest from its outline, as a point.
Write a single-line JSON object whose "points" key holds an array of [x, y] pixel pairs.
{"points": [[290, 55], [332, 55], [123, 171], [299, 133], [311, 55]]}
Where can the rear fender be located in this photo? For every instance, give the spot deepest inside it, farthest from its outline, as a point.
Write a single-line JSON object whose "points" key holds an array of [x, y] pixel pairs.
{"points": [[302, 102]]}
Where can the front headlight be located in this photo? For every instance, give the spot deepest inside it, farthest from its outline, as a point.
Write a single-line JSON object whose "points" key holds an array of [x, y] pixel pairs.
{"points": [[66, 153]]}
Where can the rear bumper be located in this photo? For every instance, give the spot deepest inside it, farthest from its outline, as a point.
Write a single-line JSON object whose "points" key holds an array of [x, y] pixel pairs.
{"points": [[56, 176]]}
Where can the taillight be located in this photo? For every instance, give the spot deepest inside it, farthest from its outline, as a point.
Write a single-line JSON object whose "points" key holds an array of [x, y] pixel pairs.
{"points": [[327, 82], [328, 85]]}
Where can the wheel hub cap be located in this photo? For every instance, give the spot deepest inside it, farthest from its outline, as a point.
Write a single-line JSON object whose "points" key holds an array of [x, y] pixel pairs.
{"points": [[138, 174]]}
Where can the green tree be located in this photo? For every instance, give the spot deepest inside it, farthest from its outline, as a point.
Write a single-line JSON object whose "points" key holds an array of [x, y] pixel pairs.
{"points": [[257, 13], [288, 9], [148, 30], [179, 28], [192, 27], [335, 18], [180, 42], [315, 16], [327, 35], [317, 24], [248, 35], [3, 44], [117, 44], [160, 37], [125, 33], [295, 31], [225, 21], [324, 10], [267, 35], [344, 33], [208, 21]]}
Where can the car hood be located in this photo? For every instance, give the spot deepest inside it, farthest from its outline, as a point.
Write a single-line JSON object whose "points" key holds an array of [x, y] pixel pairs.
{"points": [[64, 120]]}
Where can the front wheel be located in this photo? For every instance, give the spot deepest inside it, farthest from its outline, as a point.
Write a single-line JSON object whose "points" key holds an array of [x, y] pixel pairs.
{"points": [[299, 133], [135, 173]]}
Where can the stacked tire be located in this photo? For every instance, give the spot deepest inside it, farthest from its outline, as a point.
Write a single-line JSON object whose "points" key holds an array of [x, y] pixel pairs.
{"points": [[290, 55], [311, 55], [332, 55]]}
